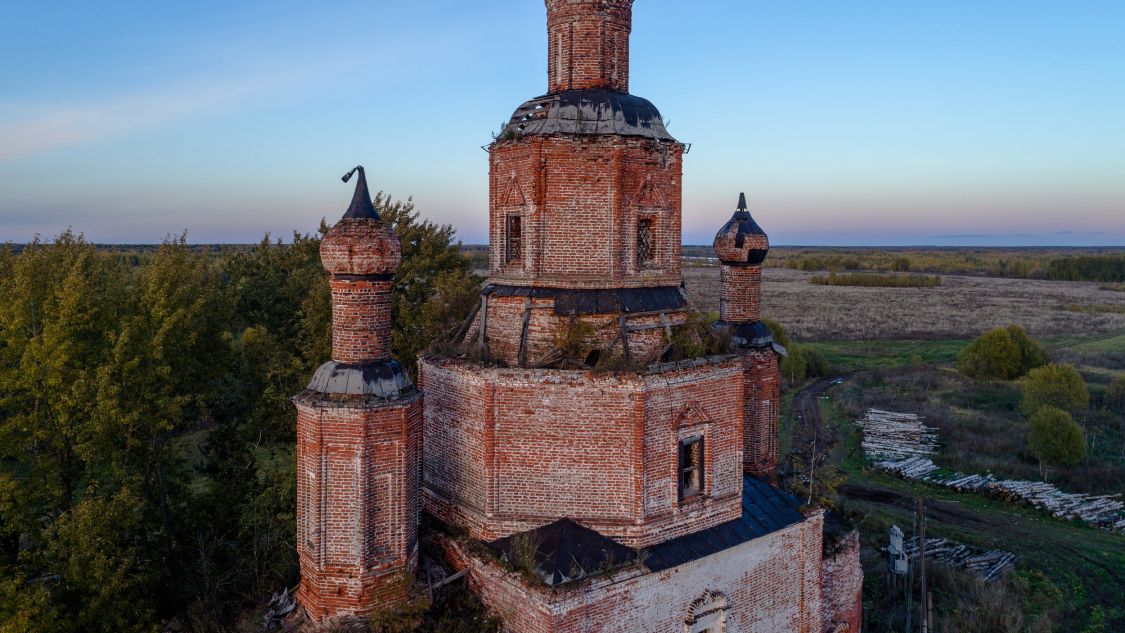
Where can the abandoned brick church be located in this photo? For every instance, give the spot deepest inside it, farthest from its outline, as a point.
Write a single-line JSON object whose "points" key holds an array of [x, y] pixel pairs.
{"points": [[600, 457]]}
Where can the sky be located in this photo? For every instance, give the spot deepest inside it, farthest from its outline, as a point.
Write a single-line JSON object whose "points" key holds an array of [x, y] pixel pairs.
{"points": [[860, 123]]}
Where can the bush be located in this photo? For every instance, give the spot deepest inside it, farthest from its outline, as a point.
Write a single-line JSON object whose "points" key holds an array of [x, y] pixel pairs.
{"points": [[1058, 386], [1115, 395], [1055, 438], [1003, 353]]}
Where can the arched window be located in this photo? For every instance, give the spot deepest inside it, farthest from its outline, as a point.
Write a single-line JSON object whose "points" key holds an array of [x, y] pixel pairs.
{"points": [[707, 614]]}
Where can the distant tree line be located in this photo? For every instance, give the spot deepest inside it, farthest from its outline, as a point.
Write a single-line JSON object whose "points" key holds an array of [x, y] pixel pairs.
{"points": [[876, 280], [146, 438], [1108, 268]]}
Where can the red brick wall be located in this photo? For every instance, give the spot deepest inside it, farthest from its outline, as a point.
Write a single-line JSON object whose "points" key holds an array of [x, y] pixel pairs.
{"points": [[762, 412], [361, 319], [588, 44], [740, 293], [508, 450], [645, 330], [580, 199], [768, 584], [358, 470], [842, 582]]}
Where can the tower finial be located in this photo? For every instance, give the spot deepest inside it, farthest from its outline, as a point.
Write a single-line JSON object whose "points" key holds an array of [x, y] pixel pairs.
{"points": [[361, 207], [742, 202]]}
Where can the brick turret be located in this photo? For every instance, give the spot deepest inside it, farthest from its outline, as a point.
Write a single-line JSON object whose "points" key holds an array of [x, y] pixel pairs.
{"points": [[588, 44], [358, 434], [742, 246]]}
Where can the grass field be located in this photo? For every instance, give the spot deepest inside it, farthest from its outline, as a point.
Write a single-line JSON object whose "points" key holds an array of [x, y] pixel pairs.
{"points": [[961, 308]]}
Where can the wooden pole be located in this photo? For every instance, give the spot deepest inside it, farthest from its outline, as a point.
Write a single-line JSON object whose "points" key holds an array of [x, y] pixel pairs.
{"points": [[922, 559]]}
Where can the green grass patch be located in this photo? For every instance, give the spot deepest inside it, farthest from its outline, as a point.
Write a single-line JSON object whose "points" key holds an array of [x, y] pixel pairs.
{"points": [[1086, 565], [847, 356], [1092, 308]]}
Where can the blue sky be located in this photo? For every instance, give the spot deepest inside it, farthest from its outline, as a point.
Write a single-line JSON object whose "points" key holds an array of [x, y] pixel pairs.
{"points": [[949, 122]]}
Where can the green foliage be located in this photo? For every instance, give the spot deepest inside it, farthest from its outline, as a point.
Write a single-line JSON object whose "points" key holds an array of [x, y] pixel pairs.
{"points": [[1109, 268], [434, 285], [794, 367], [1058, 386], [1003, 353], [1055, 438], [876, 280], [777, 331], [1032, 354], [1115, 395], [146, 439]]}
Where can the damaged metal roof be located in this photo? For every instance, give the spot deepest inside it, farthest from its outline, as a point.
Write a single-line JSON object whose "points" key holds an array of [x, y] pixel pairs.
{"points": [[380, 379], [609, 301], [765, 509], [588, 112], [755, 334], [567, 551]]}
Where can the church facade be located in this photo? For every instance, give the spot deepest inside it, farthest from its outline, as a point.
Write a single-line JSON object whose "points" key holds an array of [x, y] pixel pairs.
{"points": [[606, 457]]}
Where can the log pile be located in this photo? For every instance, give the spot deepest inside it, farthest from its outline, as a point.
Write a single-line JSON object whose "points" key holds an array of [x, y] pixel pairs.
{"points": [[889, 435], [988, 565], [898, 443]]}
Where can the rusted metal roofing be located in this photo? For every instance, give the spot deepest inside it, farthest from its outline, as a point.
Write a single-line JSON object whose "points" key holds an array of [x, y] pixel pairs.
{"points": [[588, 112]]}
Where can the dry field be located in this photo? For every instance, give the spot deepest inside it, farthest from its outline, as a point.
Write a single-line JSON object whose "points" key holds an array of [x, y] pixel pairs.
{"points": [[961, 308]]}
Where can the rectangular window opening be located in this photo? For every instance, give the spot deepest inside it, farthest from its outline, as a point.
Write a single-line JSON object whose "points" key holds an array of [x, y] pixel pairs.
{"points": [[515, 239], [691, 468], [646, 243]]}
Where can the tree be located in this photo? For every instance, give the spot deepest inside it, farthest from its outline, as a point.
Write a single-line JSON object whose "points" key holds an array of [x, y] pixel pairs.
{"points": [[1115, 395], [1004, 353], [1060, 386], [1055, 438], [1032, 354]]}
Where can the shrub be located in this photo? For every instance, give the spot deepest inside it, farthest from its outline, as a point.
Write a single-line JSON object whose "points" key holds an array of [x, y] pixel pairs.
{"points": [[1003, 353], [1058, 386], [1055, 438], [1115, 395], [1032, 354], [816, 364], [994, 355], [793, 366]]}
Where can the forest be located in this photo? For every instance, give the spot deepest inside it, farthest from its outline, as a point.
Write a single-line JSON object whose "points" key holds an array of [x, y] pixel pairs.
{"points": [[146, 435]]}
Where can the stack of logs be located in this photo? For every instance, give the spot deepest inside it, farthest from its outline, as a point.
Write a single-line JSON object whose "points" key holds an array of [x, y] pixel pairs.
{"points": [[988, 565], [899, 442]]}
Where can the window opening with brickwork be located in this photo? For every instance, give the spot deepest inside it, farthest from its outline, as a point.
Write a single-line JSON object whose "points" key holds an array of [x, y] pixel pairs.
{"points": [[515, 239], [691, 467], [707, 614], [646, 243]]}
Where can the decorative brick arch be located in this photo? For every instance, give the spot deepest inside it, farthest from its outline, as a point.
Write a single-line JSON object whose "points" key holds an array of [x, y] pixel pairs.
{"points": [[707, 613]]}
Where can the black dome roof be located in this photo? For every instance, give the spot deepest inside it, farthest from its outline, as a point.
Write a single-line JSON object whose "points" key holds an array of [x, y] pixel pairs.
{"points": [[588, 112]]}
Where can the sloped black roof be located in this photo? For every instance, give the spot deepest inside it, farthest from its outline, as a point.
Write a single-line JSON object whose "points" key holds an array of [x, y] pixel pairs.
{"points": [[567, 551], [588, 112], [765, 509]]}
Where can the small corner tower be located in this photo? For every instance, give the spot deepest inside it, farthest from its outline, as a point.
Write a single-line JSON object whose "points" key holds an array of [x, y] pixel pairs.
{"points": [[359, 426], [742, 246]]}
